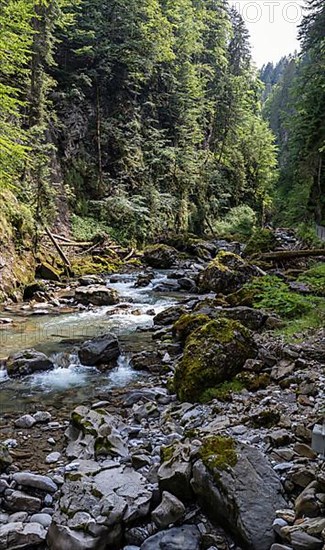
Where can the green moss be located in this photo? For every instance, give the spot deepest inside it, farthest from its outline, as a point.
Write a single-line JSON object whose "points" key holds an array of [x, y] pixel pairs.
{"points": [[254, 382], [315, 279], [187, 323], [223, 392], [218, 453], [103, 447], [266, 419], [167, 453], [206, 363], [94, 265], [262, 240]]}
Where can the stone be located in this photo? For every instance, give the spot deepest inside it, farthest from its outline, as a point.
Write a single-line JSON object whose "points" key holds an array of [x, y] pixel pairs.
{"points": [[52, 458], [103, 350], [21, 502], [244, 497], [5, 458], [42, 417], [304, 450], [26, 421], [16, 536], [168, 316], [174, 474], [43, 519], [225, 274], [97, 295], [277, 546], [160, 256], [35, 481], [178, 538], [302, 541], [306, 504], [89, 280], [47, 271], [169, 511], [17, 517], [27, 362], [213, 354]]}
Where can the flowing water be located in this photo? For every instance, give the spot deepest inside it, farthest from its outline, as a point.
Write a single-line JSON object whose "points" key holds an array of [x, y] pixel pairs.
{"points": [[71, 383]]}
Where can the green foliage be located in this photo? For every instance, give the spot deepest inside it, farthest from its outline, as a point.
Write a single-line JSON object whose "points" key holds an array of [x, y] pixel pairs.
{"points": [[315, 279], [262, 240], [240, 220], [85, 229], [223, 391]]}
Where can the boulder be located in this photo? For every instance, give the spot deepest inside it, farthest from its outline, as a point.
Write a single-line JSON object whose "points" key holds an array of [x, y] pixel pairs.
{"points": [[27, 362], [89, 280], [169, 510], [174, 474], [225, 274], [168, 316], [97, 295], [103, 350], [160, 256], [35, 481], [179, 538], [95, 501], [47, 271], [16, 536], [18, 501], [5, 458], [236, 485], [214, 353]]}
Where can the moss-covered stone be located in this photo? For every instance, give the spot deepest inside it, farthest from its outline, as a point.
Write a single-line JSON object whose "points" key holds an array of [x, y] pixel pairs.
{"points": [[47, 271], [225, 274], [266, 419], [218, 453], [187, 323], [262, 240], [214, 353], [223, 392], [160, 256], [94, 265]]}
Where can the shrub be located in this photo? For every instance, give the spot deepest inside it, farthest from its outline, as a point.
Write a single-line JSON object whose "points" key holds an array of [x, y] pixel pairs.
{"points": [[239, 220]]}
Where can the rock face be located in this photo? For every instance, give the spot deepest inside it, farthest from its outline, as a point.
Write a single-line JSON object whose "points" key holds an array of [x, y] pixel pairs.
{"points": [[214, 353], [97, 295], [103, 350], [245, 497], [160, 256], [27, 362], [225, 274], [94, 502]]}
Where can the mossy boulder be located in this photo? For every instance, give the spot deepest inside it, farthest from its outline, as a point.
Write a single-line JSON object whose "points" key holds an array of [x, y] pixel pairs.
{"points": [[160, 256], [262, 240], [214, 353], [46, 271], [225, 274], [187, 323]]}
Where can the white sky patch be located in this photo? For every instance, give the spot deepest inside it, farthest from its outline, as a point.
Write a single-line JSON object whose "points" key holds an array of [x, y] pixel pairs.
{"points": [[273, 26]]}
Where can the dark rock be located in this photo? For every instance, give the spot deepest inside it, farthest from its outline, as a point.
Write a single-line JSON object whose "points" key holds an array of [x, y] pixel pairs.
{"points": [[160, 256], [47, 271], [31, 289], [225, 274], [103, 350], [27, 362], [5, 458], [169, 316], [244, 497], [98, 295]]}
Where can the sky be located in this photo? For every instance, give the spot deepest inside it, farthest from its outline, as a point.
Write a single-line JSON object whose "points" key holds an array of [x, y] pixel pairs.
{"points": [[273, 26]]}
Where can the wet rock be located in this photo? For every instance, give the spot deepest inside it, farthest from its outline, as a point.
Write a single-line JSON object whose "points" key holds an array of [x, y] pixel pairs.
{"points": [[160, 256], [27, 362], [91, 280], [178, 538], [14, 536], [97, 295], [169, 511], [245, 497], [143, 280], [225, 274], [169, 316], [103, 350], [33, 288], [214, 353], [35, 481]]}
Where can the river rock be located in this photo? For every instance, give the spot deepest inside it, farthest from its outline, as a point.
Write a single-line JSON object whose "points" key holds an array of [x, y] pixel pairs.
{"points": [[27, 362], [90, 280], [93, 506], [43, 519], [169, 511], [18, 501], [225, 274], [25, 421], [244, 497], [103, 350], [169, 316], [174, 474], [35, 481], [214, 353], [16, 536], [97, 295], [160, 256], [47, 271], [179, 538]]}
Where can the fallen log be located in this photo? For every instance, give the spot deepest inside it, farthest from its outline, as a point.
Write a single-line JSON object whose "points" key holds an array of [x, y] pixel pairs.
{"points": [[291, 254], [62, 255]]}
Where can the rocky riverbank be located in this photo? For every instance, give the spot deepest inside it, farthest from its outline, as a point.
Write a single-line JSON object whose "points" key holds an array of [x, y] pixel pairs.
{"points": [[210, 450]]}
